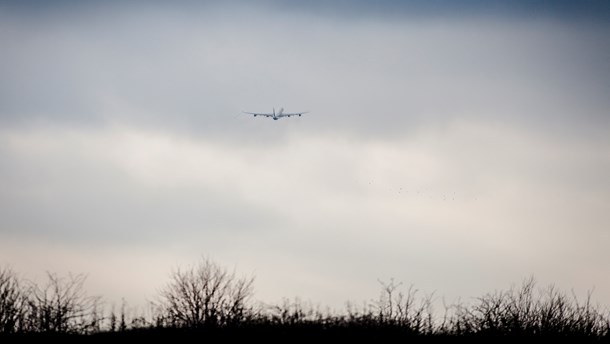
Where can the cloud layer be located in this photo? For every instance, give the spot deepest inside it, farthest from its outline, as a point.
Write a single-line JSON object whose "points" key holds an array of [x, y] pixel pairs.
{"points": [[458, 152]]}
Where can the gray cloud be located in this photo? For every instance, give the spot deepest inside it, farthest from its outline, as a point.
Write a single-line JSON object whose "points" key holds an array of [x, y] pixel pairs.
{"points": [[467, 150], [195, 71], [493, 203], [70, 186]]}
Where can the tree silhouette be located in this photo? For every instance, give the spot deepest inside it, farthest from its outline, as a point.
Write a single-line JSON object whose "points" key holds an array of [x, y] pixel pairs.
{"points": [[205, 295], [13, 302], [61, 305]]}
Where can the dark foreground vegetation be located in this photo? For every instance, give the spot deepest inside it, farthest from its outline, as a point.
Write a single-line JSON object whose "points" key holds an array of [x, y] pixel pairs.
{"points": [[207, 302]]}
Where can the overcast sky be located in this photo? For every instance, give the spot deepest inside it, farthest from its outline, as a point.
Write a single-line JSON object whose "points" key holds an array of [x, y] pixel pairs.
{"points": [[460, 148]]}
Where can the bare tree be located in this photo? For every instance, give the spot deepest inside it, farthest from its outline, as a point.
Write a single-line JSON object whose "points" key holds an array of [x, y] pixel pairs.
{"points": [[13, 301], [62, 305], [112, 320], [205, 295], [397, 308], [123, 324]]}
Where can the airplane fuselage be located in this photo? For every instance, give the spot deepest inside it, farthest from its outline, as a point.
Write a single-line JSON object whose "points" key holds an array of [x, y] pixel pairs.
{"points": [[276, 115]]}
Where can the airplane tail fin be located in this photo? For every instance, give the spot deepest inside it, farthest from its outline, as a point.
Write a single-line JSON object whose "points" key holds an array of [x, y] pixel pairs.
{"points": [[273, 111]]}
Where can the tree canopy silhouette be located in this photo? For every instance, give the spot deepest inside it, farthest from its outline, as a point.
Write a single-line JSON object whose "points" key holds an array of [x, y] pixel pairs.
{"points": [[205, 295]]}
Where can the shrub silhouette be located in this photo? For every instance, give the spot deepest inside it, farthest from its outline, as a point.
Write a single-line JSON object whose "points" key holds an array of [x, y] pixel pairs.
{"points": [[61, 305], [205, 295], [207, 300], [13, 302], [525, 312]]}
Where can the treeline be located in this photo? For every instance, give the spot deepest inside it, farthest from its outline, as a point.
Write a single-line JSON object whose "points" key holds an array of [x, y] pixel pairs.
{"points": [[207, 299]]}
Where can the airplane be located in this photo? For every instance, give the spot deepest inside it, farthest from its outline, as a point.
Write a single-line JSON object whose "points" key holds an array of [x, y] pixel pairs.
{"points": [[277, 115]]}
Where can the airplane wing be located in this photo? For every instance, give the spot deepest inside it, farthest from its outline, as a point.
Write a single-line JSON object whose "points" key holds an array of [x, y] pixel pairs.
{"points": [[259, 114], [292, 114]]}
